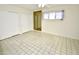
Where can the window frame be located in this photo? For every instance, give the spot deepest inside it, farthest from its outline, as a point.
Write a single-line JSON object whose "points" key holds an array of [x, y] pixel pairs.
{"points": [[62, 17]]}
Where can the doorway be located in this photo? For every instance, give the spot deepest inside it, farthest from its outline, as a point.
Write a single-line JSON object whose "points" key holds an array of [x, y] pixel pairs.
{"points": [[37, 20]]}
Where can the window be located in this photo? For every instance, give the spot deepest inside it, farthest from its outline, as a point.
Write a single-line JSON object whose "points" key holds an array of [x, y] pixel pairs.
{"points": [[45, 15], [59, 15], [54, 15]]}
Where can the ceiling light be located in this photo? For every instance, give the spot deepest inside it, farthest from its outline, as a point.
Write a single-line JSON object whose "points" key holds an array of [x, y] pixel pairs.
{"points": [[41, 5]]}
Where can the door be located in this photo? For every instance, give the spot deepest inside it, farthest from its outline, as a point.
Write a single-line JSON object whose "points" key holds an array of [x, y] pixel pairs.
{"points": [[37, 20]]}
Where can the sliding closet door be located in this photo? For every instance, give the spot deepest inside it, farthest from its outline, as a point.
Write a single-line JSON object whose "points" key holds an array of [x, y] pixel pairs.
{"points": [[9, 25]]}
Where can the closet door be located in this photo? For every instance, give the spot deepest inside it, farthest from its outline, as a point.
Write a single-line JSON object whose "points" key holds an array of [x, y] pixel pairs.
{"points": [[9, 25], [37, 20]]}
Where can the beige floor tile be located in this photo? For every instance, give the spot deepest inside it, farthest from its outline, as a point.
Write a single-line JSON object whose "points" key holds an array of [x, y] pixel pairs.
{"points": [[39, 43]]}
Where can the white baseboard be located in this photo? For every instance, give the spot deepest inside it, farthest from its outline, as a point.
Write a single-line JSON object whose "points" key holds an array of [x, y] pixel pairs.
{"points": [[72, 37], [5, 37]]}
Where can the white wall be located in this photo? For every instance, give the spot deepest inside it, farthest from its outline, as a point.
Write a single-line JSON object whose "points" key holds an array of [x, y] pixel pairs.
{"points": [[68, 27], [26, 22], [9, 24], [14, 20]]}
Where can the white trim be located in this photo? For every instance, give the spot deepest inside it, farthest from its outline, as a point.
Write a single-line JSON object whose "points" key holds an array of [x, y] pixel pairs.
{"points": [[71, 37]]}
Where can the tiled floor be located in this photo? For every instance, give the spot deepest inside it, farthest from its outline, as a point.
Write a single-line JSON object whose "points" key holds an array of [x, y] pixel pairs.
{"points": [[39, 43]]}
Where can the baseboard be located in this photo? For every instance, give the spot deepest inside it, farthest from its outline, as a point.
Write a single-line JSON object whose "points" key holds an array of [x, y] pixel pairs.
{"points": [[72, 37], [2, 38]]}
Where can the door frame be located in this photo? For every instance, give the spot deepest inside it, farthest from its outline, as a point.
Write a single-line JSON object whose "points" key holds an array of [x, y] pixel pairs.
{"points": [[37, 22]]}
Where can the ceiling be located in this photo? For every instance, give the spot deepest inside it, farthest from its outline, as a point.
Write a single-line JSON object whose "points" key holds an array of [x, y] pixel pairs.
{"points": [[31, 6], [34, 6], [27, 6]]}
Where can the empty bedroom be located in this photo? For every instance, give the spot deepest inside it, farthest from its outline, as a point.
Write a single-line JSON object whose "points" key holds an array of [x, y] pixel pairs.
{"points": [[39, 29]]}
